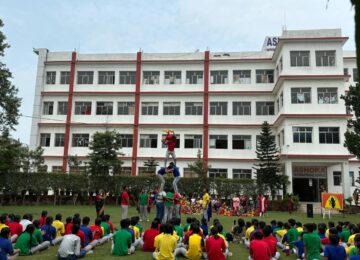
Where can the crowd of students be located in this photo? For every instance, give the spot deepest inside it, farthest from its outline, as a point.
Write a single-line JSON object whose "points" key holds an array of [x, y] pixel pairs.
{"points": [[76, 238], [168, 239], [308, 241]]}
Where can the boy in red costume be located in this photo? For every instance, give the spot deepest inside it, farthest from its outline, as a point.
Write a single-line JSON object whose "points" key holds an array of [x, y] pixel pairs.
{"points": [[170, 142]]}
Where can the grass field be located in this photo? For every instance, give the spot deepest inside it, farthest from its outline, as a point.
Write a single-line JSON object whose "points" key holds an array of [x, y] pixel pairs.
{"points": [[103, 252]]}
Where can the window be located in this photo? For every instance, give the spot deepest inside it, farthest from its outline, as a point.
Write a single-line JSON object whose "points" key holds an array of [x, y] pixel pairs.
{"points": [[80, 140], [85, 77], [281, 64], [302, 134], [346, 73], [337, 178], [329, 135], [218, 141], [106, 77], [217, 173], [281, 99], [241, 173], [104, 108], [325, 58], [64, 77], [148, 141], [177, 145], [194, 77], [126, 108], [82, 108], [59, 140], [242, 76], [171, 109], [219, 76], [146, 171], [299, 58], [300, 95], [50, 77], [282, 133], [264, 108], [57, 169], [242, 142], [44, 140], [151, 77], [149, 108], [62, 107], [264, 76], [218, 108], [172, 77], [124, 171], [352, 178], [355, 75], [126, 140], [48, 108], [188, 173], [327, 95], [193, 141], [193, 108], [278, 105], [241, 108], [127, 77]]}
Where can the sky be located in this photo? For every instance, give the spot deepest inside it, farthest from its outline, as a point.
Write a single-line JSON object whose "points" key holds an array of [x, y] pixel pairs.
{"points": [[110, 26]]}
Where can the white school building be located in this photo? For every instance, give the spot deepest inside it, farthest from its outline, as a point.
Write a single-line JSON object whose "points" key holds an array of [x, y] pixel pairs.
{"points": [[214, 101]]}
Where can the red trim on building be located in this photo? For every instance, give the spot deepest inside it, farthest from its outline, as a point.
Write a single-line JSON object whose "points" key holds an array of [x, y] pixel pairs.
{"points": [[57, 62], [214, 60], [54, 93], [171, 92], [239, 92], [172, 61], [317, 156], [206, 108], [106, 61], [69, 111], [349, 58], [137, 113], [313, 38]]}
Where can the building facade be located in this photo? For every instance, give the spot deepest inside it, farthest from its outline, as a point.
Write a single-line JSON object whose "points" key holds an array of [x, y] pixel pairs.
{"points": [[214, 101]]}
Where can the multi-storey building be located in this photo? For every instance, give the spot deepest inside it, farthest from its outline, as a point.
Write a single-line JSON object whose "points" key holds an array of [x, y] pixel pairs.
{"points": [[215, 102]]}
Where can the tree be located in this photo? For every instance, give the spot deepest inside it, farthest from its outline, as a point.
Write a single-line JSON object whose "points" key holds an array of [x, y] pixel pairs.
{"points": [[151, 165], [32, 161], [9, 102], [11, 152], [201, 169], [267, 166], [104, 156]]}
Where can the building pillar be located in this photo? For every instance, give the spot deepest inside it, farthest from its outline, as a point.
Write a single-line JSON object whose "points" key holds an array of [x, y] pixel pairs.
{"points": [[345, 179], [288, 172]]}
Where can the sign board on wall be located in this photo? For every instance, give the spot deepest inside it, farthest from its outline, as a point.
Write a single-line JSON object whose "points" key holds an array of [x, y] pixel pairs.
{"points": [[309, 172], [332, 201], [270, 43]]}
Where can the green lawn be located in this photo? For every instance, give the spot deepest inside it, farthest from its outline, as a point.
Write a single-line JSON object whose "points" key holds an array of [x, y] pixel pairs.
{"points": [[103, 252]]}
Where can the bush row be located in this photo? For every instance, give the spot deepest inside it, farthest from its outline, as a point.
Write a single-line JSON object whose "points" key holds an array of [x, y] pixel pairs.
{"points": [[37, 185]]}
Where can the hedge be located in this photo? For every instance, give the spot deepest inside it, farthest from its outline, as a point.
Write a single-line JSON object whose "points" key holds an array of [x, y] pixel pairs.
{"points": [[37, 185]]}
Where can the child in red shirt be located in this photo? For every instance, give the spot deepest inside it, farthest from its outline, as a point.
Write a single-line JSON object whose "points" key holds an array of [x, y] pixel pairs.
{"points": [[15, 228], [149, 237], [271, 241], [170, 142], [97, 230], [259, 249], [215, 246]]}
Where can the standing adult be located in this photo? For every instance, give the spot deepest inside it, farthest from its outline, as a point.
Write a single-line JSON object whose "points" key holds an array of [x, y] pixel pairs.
{"points": [[100, 203], [159, 200], [177, 204], [143, 204], [290, 204], [262, 201], [125, 202], [236, 203], [205, 204], [169, 205]]}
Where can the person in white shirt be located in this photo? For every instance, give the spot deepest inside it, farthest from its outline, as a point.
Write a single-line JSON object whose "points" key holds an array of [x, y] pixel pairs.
{"points": [[70, 245], [27, 220]]}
